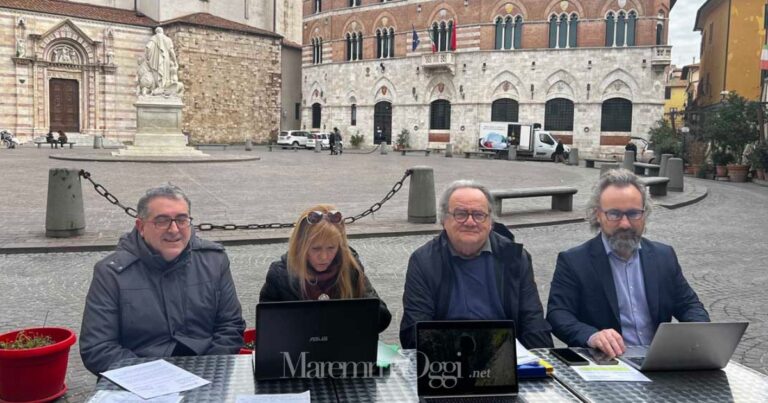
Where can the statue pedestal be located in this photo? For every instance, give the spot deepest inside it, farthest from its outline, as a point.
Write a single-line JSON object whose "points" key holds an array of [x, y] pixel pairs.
{"points": [[158, 132]]}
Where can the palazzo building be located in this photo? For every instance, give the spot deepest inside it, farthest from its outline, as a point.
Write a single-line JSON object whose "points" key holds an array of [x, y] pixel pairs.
{"points": [[592, 72]]}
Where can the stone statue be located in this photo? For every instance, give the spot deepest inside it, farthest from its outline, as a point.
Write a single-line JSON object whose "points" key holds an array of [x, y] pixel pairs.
{"points": [[21, 47], [161, 60], [145, 79]]}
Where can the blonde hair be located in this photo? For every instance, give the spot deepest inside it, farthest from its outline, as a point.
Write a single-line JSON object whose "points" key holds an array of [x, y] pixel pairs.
{"points": [[305, 234]]}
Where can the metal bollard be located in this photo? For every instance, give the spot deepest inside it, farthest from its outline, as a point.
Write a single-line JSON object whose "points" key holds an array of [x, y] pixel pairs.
{"points": [[449, 150], [629, 161], [607, 167], [248, 145], [573, 157], [98, 142], [64, 215], [421, 196], [675, 175], [270, 146], [383, 148], [512, 153], [663, 166]]}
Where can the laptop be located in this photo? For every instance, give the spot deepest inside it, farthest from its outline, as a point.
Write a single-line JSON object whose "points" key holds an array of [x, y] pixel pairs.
{"points": [[473, 361], [687, 346], [316, 339]]}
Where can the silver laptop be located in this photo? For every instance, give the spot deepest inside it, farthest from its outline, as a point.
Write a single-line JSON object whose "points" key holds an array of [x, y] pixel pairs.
{"points": [[473, 360], [687, 346]]}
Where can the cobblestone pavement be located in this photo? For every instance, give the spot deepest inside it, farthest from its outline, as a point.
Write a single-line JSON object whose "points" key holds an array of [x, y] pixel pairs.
{"points": [[720, 241]]}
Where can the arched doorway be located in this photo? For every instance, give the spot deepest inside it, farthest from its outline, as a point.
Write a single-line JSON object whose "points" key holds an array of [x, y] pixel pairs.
{"points": [[317, 113], [504, 110], [64, 105], [382, 119]]}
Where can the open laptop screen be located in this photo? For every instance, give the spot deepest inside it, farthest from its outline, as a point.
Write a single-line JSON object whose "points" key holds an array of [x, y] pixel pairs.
{"points": [[457, 358]]}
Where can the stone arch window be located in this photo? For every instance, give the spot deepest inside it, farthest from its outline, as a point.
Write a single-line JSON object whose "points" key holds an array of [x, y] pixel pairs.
{"points": [[317, 115], [620, 28], [563, 30], [317, 50], [317, 5], [508, 32], [616, 115], [505, 110], [385, 43], [440, 34], [558, 114], [353, 115], [660, 28], [354, 3], [440, 115], [354, 46]]}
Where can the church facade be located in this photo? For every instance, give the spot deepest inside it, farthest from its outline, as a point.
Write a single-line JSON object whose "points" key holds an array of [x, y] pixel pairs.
{"points": [[589, 71], [72, 66]]}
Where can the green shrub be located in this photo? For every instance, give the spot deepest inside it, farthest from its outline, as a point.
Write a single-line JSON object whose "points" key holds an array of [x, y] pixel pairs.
{"points": [[664, 139], [356, 140], [404, 139]]}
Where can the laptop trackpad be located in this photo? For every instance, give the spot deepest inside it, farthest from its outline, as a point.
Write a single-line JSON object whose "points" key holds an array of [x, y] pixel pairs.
{"points": [[636, 351]]}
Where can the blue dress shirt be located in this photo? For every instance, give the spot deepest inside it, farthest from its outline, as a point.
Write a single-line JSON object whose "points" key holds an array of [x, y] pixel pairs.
{"points": [[635, 317]]}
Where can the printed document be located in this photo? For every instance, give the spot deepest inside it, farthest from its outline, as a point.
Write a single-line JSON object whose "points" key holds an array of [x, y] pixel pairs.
{"points": [[154, 378], [523, 355], [620, 372], [276, 398], [121, 396]]}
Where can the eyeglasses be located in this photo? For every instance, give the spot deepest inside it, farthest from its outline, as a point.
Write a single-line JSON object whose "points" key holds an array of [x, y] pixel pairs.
{"points": [[314, 217], [615, 214], [164, 222], [462, 216]]}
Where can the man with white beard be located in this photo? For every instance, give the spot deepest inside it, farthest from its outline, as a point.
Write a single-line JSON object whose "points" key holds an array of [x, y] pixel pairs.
{"points": [[615, 289]]}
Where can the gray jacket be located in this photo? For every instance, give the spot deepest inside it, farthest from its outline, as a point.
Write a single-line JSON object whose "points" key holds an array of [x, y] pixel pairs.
{"points": [[138, 305]]}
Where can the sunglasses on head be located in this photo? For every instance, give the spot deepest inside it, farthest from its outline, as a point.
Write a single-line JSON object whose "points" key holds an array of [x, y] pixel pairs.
{"points": [[314, 217]]}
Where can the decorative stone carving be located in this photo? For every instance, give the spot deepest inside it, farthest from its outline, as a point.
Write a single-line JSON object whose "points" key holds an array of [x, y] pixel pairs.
{"points": [[160, 60], [564, 5], [65, 54], [622, 3], [21, 47], [509, 7]]}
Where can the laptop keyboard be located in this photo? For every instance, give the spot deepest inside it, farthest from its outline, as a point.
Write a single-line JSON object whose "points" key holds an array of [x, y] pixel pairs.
{"points": [[636, 360], [483, 399]]}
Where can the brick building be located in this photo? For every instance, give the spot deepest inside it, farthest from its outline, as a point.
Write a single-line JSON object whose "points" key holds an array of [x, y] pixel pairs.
{"points": [[590, 71], [72, 66]]}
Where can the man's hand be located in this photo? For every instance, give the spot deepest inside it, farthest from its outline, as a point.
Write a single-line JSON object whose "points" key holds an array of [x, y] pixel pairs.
{"points": [[608, 341]]}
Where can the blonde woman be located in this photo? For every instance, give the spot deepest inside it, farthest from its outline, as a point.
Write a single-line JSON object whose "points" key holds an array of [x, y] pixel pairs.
{"points": [[320, 264]]}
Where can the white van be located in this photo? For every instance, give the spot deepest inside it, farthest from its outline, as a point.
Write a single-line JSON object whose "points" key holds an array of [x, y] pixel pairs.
{"points": [[530, 142]]}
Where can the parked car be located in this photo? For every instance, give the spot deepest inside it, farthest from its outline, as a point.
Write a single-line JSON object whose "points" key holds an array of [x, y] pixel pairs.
{"points": [[293, 138], [322, 137], [645, 151]]}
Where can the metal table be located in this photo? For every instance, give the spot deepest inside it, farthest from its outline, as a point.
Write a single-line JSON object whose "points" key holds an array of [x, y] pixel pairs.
{"points": [[232, 375], [734, 383]]}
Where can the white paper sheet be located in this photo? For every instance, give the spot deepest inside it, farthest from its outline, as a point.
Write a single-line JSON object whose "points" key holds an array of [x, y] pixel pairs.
{"points": [[620, 372], [276, 398], [523, 355], [154, 378], [121, 396]]}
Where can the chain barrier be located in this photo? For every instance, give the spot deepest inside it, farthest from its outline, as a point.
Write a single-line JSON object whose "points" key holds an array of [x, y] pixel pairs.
{"points": [[101, 190]]}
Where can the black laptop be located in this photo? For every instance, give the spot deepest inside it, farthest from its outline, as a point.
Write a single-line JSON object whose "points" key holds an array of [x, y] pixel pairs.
{"points": [[474, 361], [316, 339]]}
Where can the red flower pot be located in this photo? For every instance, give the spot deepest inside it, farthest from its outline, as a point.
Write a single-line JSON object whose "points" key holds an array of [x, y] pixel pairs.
{"points": [[248, 337], [35, 374]]}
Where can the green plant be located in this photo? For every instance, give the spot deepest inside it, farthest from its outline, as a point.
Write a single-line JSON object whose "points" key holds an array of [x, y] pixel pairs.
{"points": [[722, 157], [704, 170], [25, 341], [404, 139], [758, 158], [664, 138], [733, 125], [356, 140]]}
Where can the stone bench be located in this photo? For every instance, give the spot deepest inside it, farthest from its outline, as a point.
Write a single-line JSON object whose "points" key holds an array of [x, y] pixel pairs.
{"points": [[55, 144], [652, 169], [562, 196], [437, 150], [591, 161], [657, 185], [211, 146], [485, 154], [415, 150]]}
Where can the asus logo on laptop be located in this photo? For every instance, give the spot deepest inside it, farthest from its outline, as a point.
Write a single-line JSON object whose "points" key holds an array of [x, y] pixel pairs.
{"points": [[318, 339]]}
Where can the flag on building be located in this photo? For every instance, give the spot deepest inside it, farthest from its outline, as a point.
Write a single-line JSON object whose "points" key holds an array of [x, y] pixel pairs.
{"points": [[432, 34], [415, 41], [764, 58], [453, 36]]}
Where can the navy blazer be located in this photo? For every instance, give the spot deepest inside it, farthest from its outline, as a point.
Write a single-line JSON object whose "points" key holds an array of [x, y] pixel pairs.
{"points": [[582, 298]]}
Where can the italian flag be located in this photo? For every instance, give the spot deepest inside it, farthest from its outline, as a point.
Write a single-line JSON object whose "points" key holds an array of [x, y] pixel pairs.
{"points": [[433, 39], [764, 58]]}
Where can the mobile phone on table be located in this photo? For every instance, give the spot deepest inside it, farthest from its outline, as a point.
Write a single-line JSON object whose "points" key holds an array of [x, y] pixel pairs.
{"points": [[600, 358], [568, 356]]}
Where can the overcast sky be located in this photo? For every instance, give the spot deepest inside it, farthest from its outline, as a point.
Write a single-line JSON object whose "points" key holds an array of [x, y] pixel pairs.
{"points": [[684, 41]]}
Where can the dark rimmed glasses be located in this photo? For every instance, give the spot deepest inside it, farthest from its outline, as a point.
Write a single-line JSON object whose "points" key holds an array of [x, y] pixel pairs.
{"points": [[616, 214], [334, 217], [461, 215], [164, 222]]}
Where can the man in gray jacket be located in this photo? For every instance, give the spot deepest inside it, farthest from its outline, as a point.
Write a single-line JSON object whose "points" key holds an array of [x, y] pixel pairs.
{"points": [[164, 291]]}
